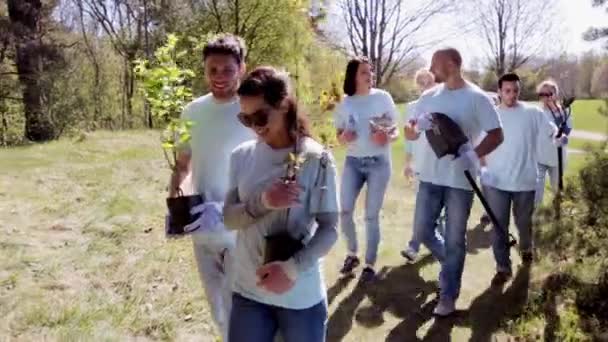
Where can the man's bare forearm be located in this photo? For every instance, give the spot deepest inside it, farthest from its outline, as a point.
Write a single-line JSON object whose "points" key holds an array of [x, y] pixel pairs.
{"points": [[492, 140], [410, 133]]}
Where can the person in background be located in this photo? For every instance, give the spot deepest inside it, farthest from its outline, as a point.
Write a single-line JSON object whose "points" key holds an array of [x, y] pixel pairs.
{"points": [[444, 182], [215, 133], [365, 123], [415, 151], [285, 294], [548, 94], [509, 176]]}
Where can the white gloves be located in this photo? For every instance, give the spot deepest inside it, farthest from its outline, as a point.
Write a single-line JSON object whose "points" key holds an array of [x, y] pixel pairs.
{"points": [[486, 178], [561, 141], [424, 122], [211, 217], [467, 158]]}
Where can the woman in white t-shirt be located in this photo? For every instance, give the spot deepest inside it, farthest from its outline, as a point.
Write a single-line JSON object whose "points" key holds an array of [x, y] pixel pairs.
{"points": [[286, 221], [365, 123]]}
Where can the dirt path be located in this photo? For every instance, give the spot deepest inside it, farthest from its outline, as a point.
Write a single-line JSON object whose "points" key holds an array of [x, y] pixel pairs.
{"points": [[588, 135]]}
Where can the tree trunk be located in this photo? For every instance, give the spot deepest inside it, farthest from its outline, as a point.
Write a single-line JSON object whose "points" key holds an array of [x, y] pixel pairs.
{"points": [[147, 112], [25, 16]]}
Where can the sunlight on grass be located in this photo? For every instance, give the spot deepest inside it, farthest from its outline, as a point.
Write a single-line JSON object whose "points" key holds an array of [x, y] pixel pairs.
{"points": [[85, 256]]}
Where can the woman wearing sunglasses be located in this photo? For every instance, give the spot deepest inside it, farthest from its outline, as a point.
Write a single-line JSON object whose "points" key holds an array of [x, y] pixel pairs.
{"points": [[365, 123], [548, 94], [282, 202]]}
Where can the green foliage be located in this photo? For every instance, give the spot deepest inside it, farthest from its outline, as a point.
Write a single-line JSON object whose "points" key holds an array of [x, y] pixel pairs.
{"points": [[165, 85], [402, 89]]}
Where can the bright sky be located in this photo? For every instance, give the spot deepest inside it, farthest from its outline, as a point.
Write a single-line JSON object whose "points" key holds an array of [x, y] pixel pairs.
{"points": [[576, 17]]}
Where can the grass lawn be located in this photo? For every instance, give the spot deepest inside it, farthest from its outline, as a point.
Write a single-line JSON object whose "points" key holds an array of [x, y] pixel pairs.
{"points": [[583, 144], [586, 116], [84, 258]]}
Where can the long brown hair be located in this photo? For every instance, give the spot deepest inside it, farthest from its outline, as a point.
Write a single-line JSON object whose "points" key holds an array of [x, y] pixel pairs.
{"points": [[267, 82]]}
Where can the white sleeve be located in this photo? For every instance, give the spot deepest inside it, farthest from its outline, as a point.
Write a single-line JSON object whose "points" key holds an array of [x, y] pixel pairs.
{"points": [[392, 109], [184, 147], [545, 126], [340, 116], [486, 114]]}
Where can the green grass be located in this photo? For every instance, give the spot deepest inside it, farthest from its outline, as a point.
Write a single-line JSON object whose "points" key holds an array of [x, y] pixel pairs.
{"points": [[583, 144], [586, 116], [77, 261]]}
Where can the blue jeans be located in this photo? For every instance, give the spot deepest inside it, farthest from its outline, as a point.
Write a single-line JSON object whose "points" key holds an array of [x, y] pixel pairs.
{"points": [[416, 239], [254, 321], [540, 181], [451, 251], [376, 172], [523, 208]]}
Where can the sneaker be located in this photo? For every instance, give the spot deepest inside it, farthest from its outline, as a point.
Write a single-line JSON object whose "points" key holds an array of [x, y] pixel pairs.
{"points": [[350, 263], [445, 307], [501, 277], [368, 274], [410, 254], [527, 257]]}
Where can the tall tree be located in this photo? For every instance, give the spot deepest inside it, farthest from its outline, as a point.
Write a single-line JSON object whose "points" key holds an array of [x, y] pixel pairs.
{"points": [[386, 31], [124, 23], [30, 53], [599, 85], [513, 30], [267, 26], [587, 65], [597, 33]]}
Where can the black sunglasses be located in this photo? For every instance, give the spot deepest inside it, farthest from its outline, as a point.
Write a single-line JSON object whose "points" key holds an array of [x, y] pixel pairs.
{"points": [[545, 94], [258, 118]]}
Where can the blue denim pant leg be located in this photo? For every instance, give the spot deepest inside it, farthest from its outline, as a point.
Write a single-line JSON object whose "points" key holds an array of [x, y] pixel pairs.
{"points": [[417, 234], [378, 172], [458, 203], [306, 325], [540, 181], [254, 321], [523, 210], [429, 201], [251, 321], [350, 187], [500, 203]]}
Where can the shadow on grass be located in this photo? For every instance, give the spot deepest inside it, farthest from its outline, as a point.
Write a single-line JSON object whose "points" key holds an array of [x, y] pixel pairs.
{"points": [[399, 290], [405, 294], [478, 238]]}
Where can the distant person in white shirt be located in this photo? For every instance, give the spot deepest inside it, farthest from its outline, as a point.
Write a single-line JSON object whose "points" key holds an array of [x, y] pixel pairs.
{"points": [[415, 151], [548, 94], [509, 177], [365, 122], [216, 131], [442, 181]]}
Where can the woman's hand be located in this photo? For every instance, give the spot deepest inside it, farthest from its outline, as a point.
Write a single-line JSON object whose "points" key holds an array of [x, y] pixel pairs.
{"points": [[380, 137], [281, 195], [277, 277], [347, 136]]}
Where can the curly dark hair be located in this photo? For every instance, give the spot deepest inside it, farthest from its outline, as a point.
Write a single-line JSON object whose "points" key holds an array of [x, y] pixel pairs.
{"points": [[267, 82], [226, 44]]}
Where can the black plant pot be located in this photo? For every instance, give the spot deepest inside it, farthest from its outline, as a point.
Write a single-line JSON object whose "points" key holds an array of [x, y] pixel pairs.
{"points": [[179, 213]]}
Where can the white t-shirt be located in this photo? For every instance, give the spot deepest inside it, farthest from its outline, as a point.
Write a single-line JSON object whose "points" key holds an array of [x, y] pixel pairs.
{"points": [[419, 148], [355, 112], [216, 131], [514, 163], [547, 151], [473, 111]]}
